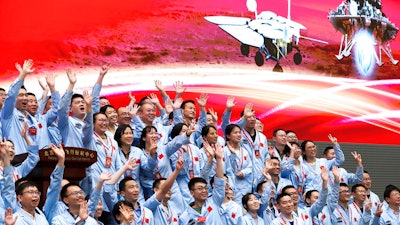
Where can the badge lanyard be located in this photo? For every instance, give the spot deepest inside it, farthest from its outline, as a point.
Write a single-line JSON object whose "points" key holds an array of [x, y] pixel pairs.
{"points": [[241, 166], [341, 215], [251, 140], [104, 145]]}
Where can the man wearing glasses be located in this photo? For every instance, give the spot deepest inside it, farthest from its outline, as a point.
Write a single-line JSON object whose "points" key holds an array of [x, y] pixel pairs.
{"points": [[73, 196], [205, 209]]}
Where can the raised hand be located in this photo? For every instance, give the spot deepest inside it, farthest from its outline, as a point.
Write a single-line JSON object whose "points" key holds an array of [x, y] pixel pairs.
{"points": [[131, 164], [219, 151], [248, 111], [179, 164], [51, 81], [168, 106], [230, 103], [8, 217], [83, 213], [43, 85], [127, 213], [71, 76], [87, 97], [104, 69], [333, 139], [179, 89], [202, 101], [4, 153], [336, 173], [368, 205], [134, 110], [154, 99], [132, 98], [191, 128], [210, 151], [159, 85], [379, 210], [357, 158], [214, 116], [177, 103], [104, 176], [153, 147], [324, 174], [27, 67]]}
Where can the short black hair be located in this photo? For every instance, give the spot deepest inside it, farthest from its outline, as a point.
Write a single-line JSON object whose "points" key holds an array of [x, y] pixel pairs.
{"points": [[63, 192], [123, 181], [156, 183], [22, 186], [388, 190], [186, 102], [195, 180], [281, 195], [353, 189]]}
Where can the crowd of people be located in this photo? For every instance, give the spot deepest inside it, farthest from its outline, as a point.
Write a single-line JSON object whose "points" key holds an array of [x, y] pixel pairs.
{"points": [[158, 163]]}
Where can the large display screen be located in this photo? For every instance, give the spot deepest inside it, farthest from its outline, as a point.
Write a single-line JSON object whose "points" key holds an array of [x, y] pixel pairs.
{"points": [[336, 60]]}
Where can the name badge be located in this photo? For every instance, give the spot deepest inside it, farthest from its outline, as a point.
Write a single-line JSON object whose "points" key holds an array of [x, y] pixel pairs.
{"points": [[108, 161], [201, 219]]}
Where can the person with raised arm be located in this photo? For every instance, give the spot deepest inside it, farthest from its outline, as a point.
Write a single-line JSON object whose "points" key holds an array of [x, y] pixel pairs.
{"points": [[7, 190], [204, 208], [159, 203], [28, 194], [44, 120], [315, 164], [14, 113], [71, 126]]}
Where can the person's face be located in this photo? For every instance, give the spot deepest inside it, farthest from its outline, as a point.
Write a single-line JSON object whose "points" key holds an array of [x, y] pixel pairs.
{"points": [[230, 194], [259, 126], [189, 111], [291, 137], [112, 115], [344, 194], [100, 123], [104, 102], [360, 194], [199, 191], [123, 116], [293, 194], [22, 100], [209, 119], [127, 136], [184, 129], [253, 204], [32, 106], [313, 198], [151, 136], [212, 136], [30, 198], [131, 192], [147, 113], [11, 149], [366, 180], [3, 96], [251, 122], [394, 198], [169, 192], [74, 196], [78, 107], [99, 209], [235, 136], [285, 205], [310, 150], [330, 154], [280, 138], [276, 167]]}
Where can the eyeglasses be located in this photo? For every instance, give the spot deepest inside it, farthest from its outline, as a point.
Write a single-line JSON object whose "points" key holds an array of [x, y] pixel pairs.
{"points": [[102, 120], [292, 193], [76, 193], [291, 136], [346, 192], [32, 192], [200, 188]]}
